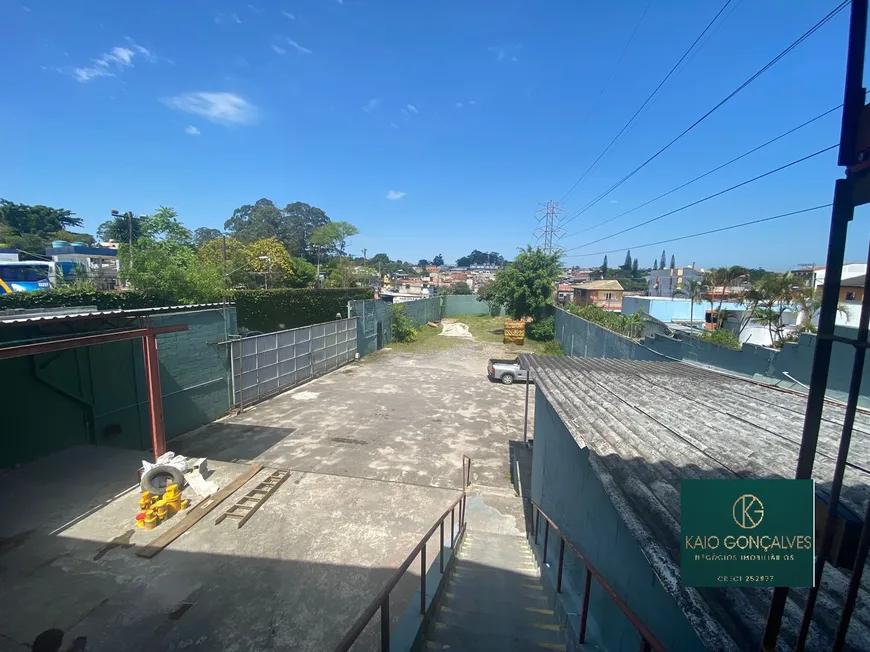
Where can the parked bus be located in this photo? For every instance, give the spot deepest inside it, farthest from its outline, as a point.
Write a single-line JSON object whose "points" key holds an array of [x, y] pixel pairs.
{"points": [[28, 275]]}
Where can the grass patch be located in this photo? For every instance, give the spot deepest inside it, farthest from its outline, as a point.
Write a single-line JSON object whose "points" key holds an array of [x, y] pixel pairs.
{"points": [[491, 329], [429, 340]]}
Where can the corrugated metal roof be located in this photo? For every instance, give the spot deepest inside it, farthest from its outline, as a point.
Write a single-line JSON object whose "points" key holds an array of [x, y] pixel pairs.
{"points": [[648, 425], [74, 313]]}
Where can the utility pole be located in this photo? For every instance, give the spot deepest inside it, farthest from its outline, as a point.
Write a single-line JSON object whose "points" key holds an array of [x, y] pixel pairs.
{"points": [[549, 232], [365, 251]]}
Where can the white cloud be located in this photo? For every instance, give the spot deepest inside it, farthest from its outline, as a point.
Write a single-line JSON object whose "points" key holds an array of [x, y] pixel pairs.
{"points": [[500, 53], [112, 62], [279, 50], [372, 104], [472, 102], [411, 108], [220, 107], [222, 18], [614, 201], [190, 129], [287, 14], [394, 125], [258, 10], [294, 44], [458, 105], [514, 59], [394, 195]]}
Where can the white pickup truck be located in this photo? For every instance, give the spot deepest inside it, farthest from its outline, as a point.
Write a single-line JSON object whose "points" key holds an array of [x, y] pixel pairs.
{"points": [[507, 371]]}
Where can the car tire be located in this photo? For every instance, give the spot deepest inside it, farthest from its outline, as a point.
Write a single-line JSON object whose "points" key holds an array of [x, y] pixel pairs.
{"points": [[507, 379], [157, 478]]}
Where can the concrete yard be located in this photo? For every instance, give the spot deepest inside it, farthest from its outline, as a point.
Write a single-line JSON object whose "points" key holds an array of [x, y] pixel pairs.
{"points": [[374, 451]]}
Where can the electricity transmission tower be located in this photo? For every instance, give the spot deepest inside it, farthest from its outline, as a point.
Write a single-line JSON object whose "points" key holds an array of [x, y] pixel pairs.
{"points": [[549, 231]]}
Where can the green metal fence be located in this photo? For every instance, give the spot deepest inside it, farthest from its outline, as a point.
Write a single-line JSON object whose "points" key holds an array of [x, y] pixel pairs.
{"points": [[375, 320]]}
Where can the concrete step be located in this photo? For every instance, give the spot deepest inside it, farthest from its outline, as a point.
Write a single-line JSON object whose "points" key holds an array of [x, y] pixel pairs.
{"points": [[498, 612], [479, 601], [491, 635]]}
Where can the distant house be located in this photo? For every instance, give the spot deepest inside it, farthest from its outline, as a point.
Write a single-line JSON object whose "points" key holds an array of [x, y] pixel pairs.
{"points": [[666, 282], [604, 294]]}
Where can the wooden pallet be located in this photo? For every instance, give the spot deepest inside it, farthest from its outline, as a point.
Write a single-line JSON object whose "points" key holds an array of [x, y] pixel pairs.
{"points": [[253, 500]]}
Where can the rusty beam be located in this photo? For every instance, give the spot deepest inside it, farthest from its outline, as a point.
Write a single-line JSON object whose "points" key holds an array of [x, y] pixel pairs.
{"points": [[85, 340], [155, 394]]}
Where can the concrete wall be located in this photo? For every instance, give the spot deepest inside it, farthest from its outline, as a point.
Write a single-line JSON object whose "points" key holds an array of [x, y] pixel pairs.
{"points": [[375, 323], [97, 394], [584, 339], [569, 492], [466, 304]]}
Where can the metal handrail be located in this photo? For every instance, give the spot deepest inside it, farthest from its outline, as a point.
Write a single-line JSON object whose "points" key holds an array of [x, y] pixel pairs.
{"points": [[382, 599], [648, 640]]}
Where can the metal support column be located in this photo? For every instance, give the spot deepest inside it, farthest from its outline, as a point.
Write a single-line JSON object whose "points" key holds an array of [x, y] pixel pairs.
{"points": [[155, 394], [526, 415]]}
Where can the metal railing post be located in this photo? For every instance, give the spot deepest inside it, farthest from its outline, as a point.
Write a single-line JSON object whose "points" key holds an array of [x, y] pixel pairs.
{"points": [[644, 645], [441, 554], [423, 580], [584, 610], [452, 528], [537, 524], [385, 625], [561, 561], [464, 512], [546, 539]]}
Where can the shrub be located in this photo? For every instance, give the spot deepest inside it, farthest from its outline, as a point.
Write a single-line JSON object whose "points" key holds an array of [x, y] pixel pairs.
{"points": [[272, 310], [721, 337], [553, 347], [404, 328], [543, 330]]}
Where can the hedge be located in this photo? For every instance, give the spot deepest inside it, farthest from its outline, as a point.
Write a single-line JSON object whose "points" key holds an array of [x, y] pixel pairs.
{"points": [[62, 298], [272, 310], [257, 310]]}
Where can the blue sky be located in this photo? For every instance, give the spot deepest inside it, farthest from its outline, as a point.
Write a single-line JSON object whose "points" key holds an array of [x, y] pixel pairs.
{"points": [[433, 127]]}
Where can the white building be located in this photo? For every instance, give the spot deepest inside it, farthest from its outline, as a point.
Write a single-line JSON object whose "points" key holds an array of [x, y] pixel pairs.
{"points": [[850, 270], [665, 282]]}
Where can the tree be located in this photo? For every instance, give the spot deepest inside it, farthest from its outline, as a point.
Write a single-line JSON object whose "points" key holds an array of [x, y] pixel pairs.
{"points": [[525, 286], [164, 226], [477, 257], [70, 236], [456, 288], [333, 237], [203, 235], [635, 271], [604, 268], [673, 262], [438, 261], [627, 264], [269, 258], [662, 260], [239, 262], [422, 262], [301, 221], [117, 229], [36, 220], [693, 289], [655, 265]]}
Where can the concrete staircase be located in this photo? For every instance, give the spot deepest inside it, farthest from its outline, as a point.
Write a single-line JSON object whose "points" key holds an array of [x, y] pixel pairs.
{"points": [[493, 600]]}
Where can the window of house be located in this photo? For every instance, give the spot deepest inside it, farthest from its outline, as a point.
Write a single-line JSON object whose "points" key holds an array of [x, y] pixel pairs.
{"points": [[850, 296], [608, 295]]}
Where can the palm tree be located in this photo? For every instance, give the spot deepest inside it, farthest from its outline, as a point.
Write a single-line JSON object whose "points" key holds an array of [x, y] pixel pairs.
{"points": [[693, 289]]}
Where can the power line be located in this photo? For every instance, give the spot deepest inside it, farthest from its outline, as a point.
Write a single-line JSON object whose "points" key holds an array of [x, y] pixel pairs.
{"points": [[709, 172], [646, 101], [730, 96], [708, 197], [600, 94], [696, 235]]}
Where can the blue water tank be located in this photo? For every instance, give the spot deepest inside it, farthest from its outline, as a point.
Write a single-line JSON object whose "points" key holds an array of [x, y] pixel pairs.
{"points": [[59, 243], [79, 244]]}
